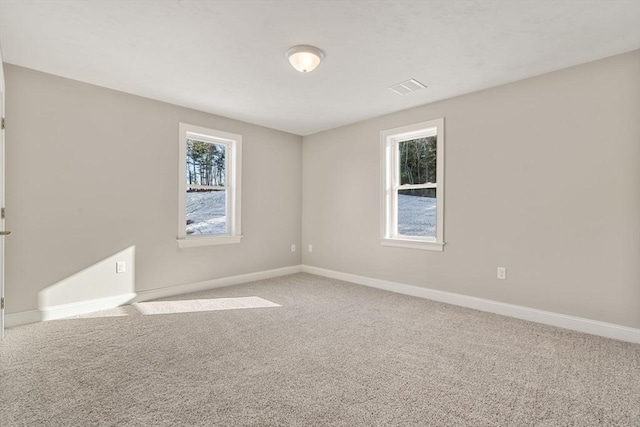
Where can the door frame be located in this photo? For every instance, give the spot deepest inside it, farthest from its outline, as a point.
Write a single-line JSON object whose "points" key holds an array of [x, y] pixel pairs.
{"points": [[2, 164]]}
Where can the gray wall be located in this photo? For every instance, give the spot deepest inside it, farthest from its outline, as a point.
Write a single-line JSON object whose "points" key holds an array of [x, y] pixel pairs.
{"points": [[92, 172], [542, 176]]}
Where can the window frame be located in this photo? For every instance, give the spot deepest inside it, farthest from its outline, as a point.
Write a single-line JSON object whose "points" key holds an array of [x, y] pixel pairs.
{"points": [[390, 185], [233, 168]]}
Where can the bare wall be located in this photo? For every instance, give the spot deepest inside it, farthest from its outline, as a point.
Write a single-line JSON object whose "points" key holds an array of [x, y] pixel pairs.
{"points": [[542, 176], [92, 172]]}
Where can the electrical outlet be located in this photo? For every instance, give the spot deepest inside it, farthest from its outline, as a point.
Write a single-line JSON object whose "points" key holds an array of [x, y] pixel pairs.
{"points": [[310, 248], [502, 273], [293, 247], [121, 267]]}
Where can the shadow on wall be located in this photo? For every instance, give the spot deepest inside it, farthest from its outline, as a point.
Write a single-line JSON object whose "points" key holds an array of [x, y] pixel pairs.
{"points": [[98, 287]]}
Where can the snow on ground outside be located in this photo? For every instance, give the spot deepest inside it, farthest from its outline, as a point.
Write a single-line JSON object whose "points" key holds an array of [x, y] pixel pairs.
{"points": [[416, 215], [207, 211]]}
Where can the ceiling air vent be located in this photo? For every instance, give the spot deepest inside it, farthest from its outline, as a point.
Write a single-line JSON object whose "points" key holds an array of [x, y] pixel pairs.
{"points": [[406, 87]]}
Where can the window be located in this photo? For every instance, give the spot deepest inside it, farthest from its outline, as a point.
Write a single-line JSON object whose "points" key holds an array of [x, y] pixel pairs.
{"points": [[412, 186], [209, 200]]}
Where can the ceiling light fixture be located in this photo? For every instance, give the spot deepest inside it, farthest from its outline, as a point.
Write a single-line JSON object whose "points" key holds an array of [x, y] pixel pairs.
{"points": [[305, 58]]}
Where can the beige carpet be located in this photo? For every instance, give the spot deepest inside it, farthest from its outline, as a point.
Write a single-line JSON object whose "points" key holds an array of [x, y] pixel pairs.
{"points": [[308, 351]]}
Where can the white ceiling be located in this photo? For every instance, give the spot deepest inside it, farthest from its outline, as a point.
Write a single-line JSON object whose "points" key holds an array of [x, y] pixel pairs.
{"points": [[227, 57]]}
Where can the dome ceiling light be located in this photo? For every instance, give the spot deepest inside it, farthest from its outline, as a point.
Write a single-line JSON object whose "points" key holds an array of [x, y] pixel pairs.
{"points": [[305, 58]]}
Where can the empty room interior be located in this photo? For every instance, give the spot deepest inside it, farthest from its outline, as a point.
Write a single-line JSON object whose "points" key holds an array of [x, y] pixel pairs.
{"points": [[308, 213]]}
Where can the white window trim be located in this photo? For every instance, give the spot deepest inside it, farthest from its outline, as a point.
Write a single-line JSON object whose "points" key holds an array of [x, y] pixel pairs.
{"points": [[388, 196], [233, 142]]}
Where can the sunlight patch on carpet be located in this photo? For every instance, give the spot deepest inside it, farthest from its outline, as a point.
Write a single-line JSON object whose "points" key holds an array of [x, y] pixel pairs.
{"points": [[196, 305]]}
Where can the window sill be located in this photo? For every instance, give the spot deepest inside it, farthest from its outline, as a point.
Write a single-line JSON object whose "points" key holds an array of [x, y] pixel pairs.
{"points": [[413, 244], [193, 242]]}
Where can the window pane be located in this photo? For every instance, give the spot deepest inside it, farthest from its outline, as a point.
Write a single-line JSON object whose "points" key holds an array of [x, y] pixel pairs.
{"points": [[206, 212], [417, 160], [417, 212], [205, 163]]}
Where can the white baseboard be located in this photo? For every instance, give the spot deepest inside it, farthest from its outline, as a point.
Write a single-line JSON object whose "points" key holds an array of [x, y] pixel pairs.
{"points": [[188, 288], [84, 307], [579, 324], [22, 318], [66, 310]]}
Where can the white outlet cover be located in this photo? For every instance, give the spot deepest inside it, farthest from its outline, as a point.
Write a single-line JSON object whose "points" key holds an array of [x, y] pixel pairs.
{"points": [[121, 267]]}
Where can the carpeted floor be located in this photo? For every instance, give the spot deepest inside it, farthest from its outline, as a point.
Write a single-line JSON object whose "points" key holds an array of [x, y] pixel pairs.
{"points": [[313, 352]]}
